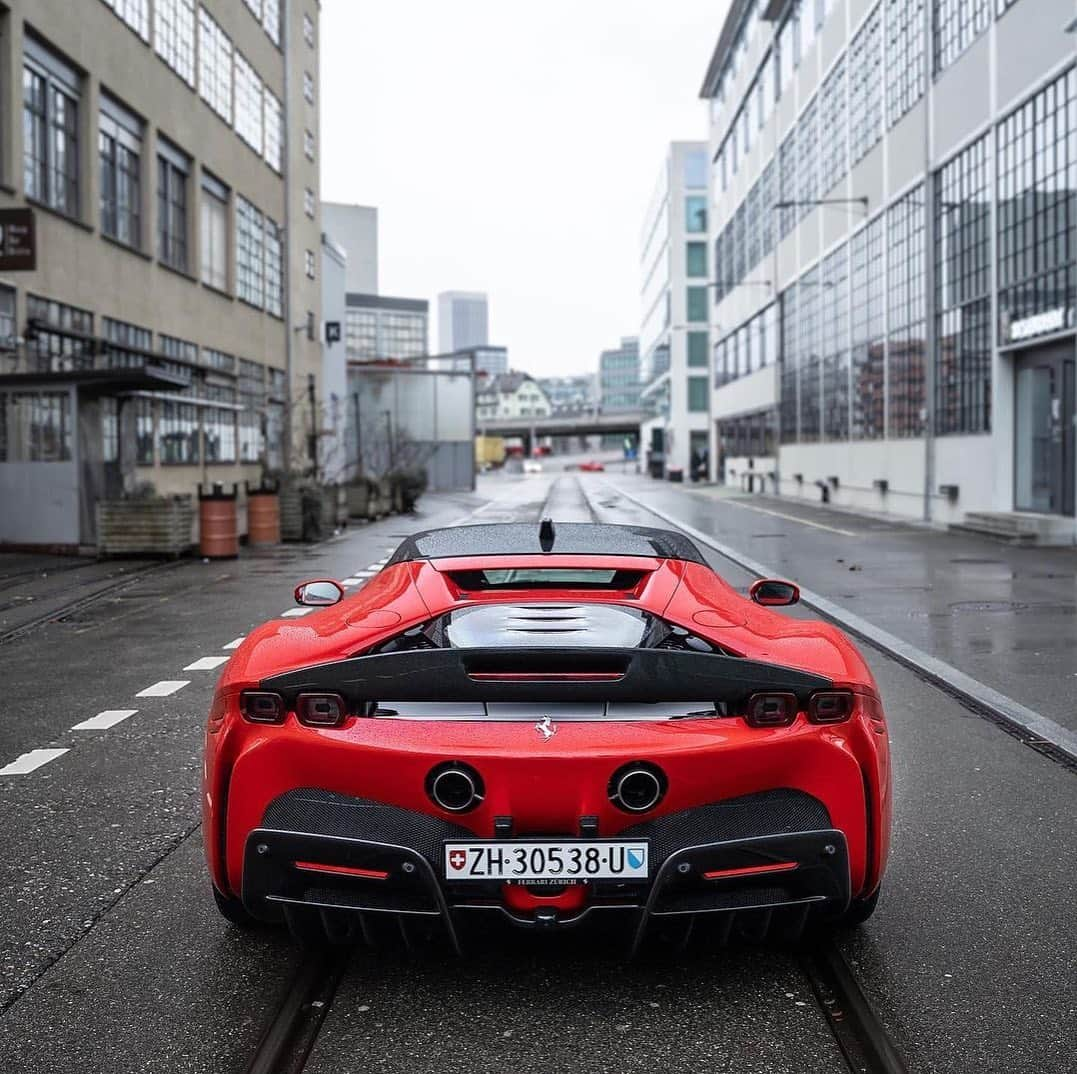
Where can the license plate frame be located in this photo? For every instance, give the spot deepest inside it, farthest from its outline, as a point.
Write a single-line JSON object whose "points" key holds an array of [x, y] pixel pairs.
{"points": [[529, 860]]}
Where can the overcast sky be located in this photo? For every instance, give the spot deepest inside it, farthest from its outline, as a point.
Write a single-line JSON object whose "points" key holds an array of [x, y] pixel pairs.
{"points": [[512, 148]]}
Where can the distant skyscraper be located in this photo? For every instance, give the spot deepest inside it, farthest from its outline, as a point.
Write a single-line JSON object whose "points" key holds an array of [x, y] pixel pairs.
{"points": [[618, 376], [462, 321]]}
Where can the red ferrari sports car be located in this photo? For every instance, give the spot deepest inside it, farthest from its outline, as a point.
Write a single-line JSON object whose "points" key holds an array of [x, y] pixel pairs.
{"points": [[549, 725]]}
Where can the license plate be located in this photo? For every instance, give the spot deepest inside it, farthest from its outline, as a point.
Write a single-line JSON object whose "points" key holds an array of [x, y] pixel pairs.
{"points": [[507, 859]]}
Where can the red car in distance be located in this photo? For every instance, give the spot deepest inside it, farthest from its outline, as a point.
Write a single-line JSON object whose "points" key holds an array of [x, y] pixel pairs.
{"points": [[549, 726], [593, 466]]}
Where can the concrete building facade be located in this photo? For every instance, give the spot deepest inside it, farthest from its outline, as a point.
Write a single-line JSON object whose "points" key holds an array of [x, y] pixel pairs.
{"points": [[169, 153], [355, 228], [463, 321], [379, 327], [618, 376], [674, 340], [894, 225]]}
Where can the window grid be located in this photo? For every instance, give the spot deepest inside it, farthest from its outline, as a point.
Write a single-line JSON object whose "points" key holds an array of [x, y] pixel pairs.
{"points": [[50, 140], [214, 237], [173, 36], [308, 144], [808, 359], [807, 160], [867, 271], [271, 19], [308, 202], [834, 296], [250, 254], [957, 24], [1037, 209], [833, 125], [274, 134], [904, 57], [865, 87], [308, 30], [119, 153], [171, 214], [248, 103], [214, 66], [787, 167], [753, 219], [963, 292], [274, 273], [789, 386], [766, 207], [905, 345], [740, 223], [135, 13], [56, 352]]}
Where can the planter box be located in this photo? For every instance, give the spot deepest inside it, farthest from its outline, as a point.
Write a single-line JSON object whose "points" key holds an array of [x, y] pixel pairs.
{"points": [[156, 527]]}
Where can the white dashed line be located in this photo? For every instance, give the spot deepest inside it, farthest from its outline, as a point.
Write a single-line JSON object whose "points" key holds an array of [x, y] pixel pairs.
{"points": [[235, 643], [164, 688], [27, 762], [365, 573], [206, 663], [295, 613], [104, 720], [349, 582]]}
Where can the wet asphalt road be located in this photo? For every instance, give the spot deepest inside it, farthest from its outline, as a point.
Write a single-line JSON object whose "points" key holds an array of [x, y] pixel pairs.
{"points": [[112, 957]]}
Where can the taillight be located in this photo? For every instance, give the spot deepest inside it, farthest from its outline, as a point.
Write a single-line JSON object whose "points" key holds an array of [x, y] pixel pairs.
{"points": [[872, 707], [321, 710], [261, 707], [771, 710], [830, 706]]}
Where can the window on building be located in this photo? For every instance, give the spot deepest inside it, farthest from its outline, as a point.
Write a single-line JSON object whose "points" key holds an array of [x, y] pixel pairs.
{"points": [[867, 271], [787, 58], [173, 168], [698, 395], [219, 431], [255, 7], [119, 141], [963, 293], [178, 434], [308, 144], [865, 87], [697, 348], [35, 426], [695, 213], [957, 24], [905, 57], [1037, 212], [696, 303], [274, 274], [833, 126], [308, 202], [248, 103], [51, 91], [180, 350], [807, 131], [173, 36], [271, 19], [135, 13], [740, 242], [834, 344], [308, 263], [812, 305], [250, 253], [696, 258], [790, 356], [274, 131], [218, 360], [128, 344], [214, 66], [905, 351], [308, 29], [252, 399], [753, 216], [308, 88], [214, 232], [766, 200], [70, 346], [144, 431], [7, 318]]}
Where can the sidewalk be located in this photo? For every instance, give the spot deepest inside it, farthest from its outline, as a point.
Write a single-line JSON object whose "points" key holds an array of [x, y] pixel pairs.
{"points": [[1005, 615]]}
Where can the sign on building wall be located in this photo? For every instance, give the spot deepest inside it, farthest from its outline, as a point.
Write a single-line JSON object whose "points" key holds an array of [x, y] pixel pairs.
{"points": [[18, 241]]}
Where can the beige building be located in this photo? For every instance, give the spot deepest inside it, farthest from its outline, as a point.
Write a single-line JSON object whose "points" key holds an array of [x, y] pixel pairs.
{"points": [[170, 332]]}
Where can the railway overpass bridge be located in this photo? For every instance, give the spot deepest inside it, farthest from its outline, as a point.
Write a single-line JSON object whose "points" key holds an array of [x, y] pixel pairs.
{"points": [[582, 423]]}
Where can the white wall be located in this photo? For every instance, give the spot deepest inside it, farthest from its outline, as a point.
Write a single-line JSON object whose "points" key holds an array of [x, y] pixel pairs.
{"points": [[355, 227]]}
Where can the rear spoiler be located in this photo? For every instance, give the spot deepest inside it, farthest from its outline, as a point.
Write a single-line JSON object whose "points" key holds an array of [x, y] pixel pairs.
{"points": [[565, 674]]}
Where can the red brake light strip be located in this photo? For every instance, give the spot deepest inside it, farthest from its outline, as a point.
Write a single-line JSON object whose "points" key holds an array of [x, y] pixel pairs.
{"points": [[752, 870], [341, 870]]}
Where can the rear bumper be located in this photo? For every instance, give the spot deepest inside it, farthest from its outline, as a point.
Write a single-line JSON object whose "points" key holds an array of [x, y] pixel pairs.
{"points": [[750, 856]]}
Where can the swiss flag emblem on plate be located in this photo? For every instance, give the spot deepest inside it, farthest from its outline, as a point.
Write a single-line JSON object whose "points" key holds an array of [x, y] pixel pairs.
{"points": [[457, 859]]}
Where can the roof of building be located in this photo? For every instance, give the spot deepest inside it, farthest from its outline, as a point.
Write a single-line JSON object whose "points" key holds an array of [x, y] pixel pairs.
{"points": [[770, 11], [384, 302]]}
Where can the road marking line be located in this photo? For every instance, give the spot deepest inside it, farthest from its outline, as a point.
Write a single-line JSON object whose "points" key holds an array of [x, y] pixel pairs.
{"points": [[206, 663], [27, 762], [998, 705], [235, 643], [351, 581], [790, 518], [364, 573], [295, 613], [164, 688], [104, 720]]}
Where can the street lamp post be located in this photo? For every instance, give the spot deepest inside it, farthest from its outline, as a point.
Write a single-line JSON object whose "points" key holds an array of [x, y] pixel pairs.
{"points": [[389, 425]]}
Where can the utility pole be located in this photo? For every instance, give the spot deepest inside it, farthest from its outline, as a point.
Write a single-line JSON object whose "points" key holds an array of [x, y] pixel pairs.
{"points": [[389, 424]]}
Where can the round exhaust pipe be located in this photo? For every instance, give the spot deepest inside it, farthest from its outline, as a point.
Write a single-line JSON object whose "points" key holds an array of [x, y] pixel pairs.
{"points": [[455, 787], [637, 787]]}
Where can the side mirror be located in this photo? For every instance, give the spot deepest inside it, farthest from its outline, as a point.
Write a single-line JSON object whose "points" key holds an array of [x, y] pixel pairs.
{"points": [[773, 593], [319, 593]]}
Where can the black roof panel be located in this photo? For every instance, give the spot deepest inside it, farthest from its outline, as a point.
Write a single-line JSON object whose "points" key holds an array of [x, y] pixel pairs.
{"points": [[522, 539]]}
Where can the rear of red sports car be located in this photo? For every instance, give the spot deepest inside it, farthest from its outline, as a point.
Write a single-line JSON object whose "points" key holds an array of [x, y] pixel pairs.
{"points": [[550, 728]]}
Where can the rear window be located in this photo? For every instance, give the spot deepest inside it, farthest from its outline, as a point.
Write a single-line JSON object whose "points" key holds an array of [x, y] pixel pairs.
{"points": [[547, 578]]}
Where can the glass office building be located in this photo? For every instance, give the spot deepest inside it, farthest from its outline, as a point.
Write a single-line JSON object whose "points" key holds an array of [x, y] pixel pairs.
{"points": [[894, 239]]}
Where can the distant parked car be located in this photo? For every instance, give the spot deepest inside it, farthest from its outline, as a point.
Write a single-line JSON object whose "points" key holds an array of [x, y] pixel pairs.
{"points": [[593, 466], [532, 466]]}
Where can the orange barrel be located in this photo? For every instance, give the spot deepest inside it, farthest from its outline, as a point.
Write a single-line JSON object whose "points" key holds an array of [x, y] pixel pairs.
{"points": [[263, 514], [218, 531]]}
